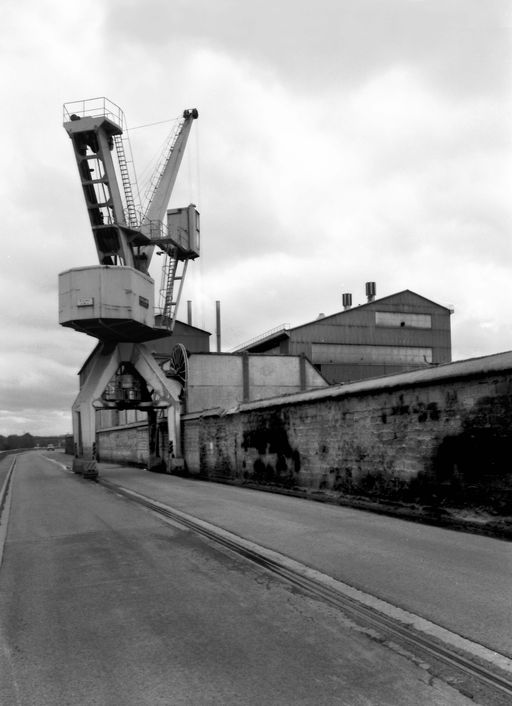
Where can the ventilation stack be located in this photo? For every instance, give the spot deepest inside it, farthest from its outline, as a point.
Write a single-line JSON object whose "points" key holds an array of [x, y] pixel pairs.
{"points": [[371, 291]]}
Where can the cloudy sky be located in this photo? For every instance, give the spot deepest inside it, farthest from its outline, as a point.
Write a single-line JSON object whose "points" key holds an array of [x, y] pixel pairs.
{"points": [[338, 141]]}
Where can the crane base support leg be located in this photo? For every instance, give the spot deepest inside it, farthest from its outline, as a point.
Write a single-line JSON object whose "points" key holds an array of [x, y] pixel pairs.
{"points": [[176, 466], [156, 464], [86, 467]]}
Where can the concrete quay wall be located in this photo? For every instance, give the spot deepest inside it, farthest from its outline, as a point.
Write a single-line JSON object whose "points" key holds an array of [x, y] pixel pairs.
{"points": [[437, 436], [124, 444]]}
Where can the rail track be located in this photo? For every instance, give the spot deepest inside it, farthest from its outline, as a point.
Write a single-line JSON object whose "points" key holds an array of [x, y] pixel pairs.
{"points": [[484, 682]]}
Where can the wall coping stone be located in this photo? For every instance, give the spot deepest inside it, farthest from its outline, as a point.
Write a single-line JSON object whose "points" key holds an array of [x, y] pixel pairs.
{"points": [[117, 427], [470, 367]]}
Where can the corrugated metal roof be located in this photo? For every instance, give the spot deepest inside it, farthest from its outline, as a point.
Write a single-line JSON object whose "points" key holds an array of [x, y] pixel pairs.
{"points": [[370, 305], [269, 336]]}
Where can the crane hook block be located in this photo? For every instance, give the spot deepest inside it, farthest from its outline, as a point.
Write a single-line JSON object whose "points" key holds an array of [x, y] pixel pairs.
{"points": [[191, 113]]}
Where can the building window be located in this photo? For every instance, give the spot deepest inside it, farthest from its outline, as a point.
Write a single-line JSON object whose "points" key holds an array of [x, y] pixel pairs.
{"points": [[397, 320], [370, 355]]}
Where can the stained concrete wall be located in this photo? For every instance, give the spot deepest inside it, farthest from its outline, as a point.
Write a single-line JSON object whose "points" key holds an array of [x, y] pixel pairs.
{"points": [[215, 380], [438, 436], [224, 380], [126, 444]]}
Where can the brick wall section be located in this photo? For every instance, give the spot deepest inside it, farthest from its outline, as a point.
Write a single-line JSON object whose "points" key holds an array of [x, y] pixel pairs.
{"points": [[438, 436]]}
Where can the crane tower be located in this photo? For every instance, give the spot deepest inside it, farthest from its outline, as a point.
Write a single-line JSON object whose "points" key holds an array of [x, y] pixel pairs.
{"points": [[113, 301]]}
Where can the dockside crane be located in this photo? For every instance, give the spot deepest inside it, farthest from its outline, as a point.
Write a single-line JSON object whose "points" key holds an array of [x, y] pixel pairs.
{"points": [[114, 300]]}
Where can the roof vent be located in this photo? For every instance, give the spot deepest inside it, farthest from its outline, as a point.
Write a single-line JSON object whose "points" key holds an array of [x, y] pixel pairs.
{"points": [[320, 316], [371, 291], [347, 300]]}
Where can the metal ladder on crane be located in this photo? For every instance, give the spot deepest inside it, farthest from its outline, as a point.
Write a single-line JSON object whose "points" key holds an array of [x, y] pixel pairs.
{"points": [[128, 179], [169, 304]]}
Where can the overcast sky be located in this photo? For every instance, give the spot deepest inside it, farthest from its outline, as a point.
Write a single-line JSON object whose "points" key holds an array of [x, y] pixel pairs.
{"points": [[338, 142]]}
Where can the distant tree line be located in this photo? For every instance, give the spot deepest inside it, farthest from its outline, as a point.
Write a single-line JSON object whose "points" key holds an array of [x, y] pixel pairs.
{"points": [[27, 441]]}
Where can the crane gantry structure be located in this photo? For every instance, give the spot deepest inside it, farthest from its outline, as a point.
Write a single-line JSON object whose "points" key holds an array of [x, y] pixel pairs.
{"points": [[114, 300]]}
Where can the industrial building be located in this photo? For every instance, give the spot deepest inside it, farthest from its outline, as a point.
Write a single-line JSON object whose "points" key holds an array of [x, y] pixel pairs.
{"points": [[209, 382], [394, 334], [149, 370], [397, 333]]}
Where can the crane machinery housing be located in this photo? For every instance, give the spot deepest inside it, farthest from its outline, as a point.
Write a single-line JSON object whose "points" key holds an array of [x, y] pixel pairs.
{"points": [[113, 301]]}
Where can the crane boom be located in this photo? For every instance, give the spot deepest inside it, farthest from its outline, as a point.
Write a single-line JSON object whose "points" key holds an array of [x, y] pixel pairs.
{"points": [[165, 179]]}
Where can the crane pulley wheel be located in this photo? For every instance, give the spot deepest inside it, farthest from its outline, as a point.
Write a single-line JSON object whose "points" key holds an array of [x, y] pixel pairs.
{"points": [[176, 366]]}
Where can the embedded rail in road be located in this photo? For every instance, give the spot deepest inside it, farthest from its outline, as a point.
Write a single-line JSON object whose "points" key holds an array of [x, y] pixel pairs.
{"points": [[468, 672], [461, 662]]}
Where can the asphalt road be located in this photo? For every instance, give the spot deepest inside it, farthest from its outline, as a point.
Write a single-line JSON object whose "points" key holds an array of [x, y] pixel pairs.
{"points": [[460, 581], [102, 603]]}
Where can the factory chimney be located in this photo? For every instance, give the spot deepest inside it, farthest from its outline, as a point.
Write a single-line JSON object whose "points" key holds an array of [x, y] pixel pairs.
{"points": [[371, 291], [217, 324], [347, 300], [189, 312]]}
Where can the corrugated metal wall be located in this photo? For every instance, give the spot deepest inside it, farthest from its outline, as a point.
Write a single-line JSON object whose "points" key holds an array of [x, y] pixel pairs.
{"points": [[398, 333]]}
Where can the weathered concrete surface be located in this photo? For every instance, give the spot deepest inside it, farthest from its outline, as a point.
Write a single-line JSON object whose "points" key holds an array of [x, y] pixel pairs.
{"points": [[101, 603], [222, 380], [456, 580], [440, 438], [5, 464]]}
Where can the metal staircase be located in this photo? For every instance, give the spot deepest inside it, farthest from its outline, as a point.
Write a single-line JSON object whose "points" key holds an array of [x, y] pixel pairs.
{"points": [[129, 181], [170, 274]]}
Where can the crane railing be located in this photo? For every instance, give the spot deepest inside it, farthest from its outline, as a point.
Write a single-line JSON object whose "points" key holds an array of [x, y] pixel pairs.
{"points": [[93, 108]]}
